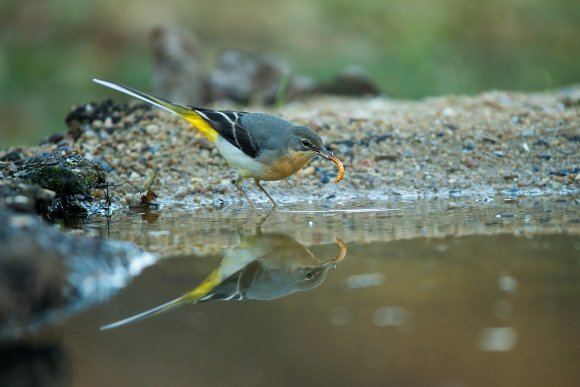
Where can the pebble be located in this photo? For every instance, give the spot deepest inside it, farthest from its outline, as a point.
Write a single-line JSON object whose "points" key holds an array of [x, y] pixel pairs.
{"points": [[544, 142], [449, 112], [469, 145], [308, 171], [529, 132], [151, 129]]}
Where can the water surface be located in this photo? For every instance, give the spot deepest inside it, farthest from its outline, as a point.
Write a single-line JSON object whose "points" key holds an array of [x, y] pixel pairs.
{"points": [[473, 292]]}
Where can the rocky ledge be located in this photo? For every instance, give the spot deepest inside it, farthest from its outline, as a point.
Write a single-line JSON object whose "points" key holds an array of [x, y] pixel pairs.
{"points": [[46, 274]]}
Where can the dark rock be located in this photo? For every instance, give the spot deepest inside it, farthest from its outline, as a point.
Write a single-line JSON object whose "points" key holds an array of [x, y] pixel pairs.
{"points": [[469, 145], [22, 197], [51, 184], [382, 137], [245, 78], [561, 172], [24, 364], [53, 139], [353, 81], [103, 163], [238, 77], [81, 118], [64, 174], [392, 158], [70, 205], [6, 169], [543, 142], [55, 274], [13, 155]]}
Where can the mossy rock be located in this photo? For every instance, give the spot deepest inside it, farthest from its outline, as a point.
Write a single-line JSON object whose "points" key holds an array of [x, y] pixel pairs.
{"points": [[68, 174]]}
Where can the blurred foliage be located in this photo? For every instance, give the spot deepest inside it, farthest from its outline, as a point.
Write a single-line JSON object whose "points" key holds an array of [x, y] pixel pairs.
{"points": [[50, 50]]}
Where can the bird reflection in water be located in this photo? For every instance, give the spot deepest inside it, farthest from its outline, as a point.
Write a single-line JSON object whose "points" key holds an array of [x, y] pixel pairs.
{"points": [[264, 266]]}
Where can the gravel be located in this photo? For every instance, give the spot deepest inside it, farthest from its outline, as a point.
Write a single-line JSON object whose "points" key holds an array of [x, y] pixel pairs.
{"points": [[438, 147]]}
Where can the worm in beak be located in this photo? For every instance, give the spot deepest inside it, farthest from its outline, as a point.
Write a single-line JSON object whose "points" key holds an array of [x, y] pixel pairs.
{"points": [[329, 156]]}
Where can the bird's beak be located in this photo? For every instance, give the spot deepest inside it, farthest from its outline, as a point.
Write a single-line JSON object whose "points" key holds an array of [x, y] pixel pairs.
{"points": [[336, 259], [329, 156]]}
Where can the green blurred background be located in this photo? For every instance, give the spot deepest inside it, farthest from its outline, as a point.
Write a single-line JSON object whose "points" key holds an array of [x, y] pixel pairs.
{"points": [[50, 50]]}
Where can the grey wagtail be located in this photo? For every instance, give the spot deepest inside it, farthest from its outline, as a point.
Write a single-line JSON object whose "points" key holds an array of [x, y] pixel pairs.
{"points": [[261, 267], [256, 145]]}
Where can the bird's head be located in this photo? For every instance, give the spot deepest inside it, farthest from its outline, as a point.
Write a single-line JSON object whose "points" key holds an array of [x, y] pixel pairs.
{"points": [[305, 140]]}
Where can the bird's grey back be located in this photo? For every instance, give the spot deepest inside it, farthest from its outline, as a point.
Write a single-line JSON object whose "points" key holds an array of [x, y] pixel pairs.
{"points": [[267, 130]]}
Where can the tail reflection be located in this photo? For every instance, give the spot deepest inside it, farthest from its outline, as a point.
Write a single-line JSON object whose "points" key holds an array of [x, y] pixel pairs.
{"points": [[260, 267]]}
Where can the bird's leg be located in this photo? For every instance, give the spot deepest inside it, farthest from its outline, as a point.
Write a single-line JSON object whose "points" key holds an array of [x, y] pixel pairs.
{"points": [[264, 191], [238, 184], [261, 222]]}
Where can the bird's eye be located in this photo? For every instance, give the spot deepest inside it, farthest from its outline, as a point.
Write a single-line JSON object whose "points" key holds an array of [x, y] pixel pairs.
{"points": [[309, 275], [306, 143]]}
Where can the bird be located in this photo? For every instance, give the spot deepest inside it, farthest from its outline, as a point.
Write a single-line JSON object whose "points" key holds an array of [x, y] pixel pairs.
{"points": [[256, 145], [265, 266]]}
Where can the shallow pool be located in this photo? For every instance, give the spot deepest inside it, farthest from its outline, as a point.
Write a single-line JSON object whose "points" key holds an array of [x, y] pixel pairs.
{"points": [[472, 292]]}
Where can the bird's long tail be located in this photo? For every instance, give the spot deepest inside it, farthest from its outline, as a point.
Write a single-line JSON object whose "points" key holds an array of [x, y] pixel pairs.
{"points": [[188, 113], [148, 313], [191, 297]]}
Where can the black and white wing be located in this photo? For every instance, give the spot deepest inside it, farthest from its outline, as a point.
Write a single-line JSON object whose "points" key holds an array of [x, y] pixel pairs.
{"points": [[228, 124]]}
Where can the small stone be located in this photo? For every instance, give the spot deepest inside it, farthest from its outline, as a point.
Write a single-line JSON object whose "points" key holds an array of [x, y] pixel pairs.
{"points": [[529, 132], [517, 119], [449, 112], [544, 142], [469, 145], [152, 129], [133, 199], [182, 192], [309, 171]]}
